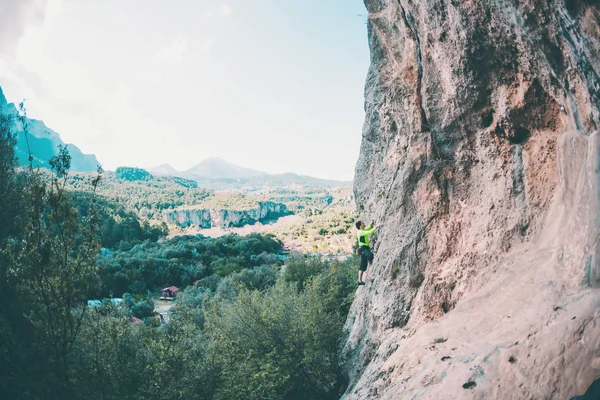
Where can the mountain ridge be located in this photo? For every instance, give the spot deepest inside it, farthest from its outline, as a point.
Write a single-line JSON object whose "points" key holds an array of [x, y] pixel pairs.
{"points": [[217, 168], [246, 176], [43, 142]]}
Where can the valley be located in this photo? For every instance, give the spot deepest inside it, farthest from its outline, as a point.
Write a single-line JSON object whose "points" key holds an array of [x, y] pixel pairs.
{"points": [[223, 253], [306, 219], [163, 262]]}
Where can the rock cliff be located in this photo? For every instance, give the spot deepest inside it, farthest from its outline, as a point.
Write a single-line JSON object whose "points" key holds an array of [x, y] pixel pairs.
{"points": [[479, 164], [207, 218], [43, 143]]}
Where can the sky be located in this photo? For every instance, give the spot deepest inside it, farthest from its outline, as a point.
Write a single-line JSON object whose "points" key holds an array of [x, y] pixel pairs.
{"points": [[272, 85]]}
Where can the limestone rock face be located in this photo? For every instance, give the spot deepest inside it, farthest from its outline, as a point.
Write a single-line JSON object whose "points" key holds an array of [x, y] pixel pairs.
{"points": [[480, 166], [208, 218]]}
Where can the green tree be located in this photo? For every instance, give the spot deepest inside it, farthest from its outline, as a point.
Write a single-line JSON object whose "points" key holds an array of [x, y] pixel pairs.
{"points": [[48, 268], [142, 309], [299, 269], [283, 343]]}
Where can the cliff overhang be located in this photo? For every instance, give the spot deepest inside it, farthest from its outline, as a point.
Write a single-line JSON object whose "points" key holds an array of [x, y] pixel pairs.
{"points": [[480, 165]]}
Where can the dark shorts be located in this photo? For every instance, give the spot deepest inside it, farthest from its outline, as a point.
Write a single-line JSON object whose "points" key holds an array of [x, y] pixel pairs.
{"points": [[366, 257]]}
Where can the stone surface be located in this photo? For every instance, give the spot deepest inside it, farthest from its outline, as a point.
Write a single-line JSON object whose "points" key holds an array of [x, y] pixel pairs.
{"points": [[480, 166], [42, 142], [208, 218]]}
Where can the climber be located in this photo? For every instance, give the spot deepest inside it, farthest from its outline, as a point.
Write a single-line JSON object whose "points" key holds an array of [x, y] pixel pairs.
{"points": [[366, 255]]}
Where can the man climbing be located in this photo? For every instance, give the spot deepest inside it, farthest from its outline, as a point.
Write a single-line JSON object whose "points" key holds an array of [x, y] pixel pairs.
{"points": [[366, 255]]}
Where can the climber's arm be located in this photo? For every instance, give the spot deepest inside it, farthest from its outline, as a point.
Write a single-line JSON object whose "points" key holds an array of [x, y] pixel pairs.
{"points": [[370, 230]]}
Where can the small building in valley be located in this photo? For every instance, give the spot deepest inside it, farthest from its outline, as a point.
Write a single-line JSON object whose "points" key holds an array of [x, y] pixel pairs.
{"points": [[169, 293], [94, 303]]}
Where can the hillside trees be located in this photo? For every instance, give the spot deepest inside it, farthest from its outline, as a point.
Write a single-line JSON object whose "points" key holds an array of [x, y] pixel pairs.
{"points": [[132, 174], [283, 342], [185, 259], [256, 331], [48, 266]]}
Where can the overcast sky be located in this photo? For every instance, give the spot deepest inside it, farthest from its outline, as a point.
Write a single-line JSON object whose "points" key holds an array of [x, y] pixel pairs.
{"points": [[274, 85]]}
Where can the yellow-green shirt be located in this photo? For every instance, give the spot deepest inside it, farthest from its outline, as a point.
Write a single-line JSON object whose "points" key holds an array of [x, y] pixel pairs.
{"points": [[363, 236]]}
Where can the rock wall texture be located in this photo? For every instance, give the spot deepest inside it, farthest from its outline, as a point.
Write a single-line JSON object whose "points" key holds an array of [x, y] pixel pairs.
{"points": [[480, 165], [208, 218]]}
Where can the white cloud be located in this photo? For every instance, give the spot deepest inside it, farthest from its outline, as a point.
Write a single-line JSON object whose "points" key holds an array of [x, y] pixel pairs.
{"points": [[17, 17], [226, 10], [207, 44], [66, 95], [209, 15], [141, 76], [173, 52]]}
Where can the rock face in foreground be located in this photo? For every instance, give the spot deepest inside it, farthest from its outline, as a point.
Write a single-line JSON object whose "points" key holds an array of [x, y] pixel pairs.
{"points": [[480, 165], [208, 218]]}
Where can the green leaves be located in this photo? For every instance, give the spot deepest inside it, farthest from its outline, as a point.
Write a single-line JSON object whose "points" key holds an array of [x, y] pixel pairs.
{"points": [[254, 332], [47, 270], [283, 343]]}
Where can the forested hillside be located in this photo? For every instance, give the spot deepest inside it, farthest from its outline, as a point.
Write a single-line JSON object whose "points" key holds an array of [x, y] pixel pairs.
{"points": [[147, 197], [248, 321]]}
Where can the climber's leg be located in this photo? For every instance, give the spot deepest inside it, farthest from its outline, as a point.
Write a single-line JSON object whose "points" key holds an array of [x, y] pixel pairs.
{"points": [[364, 263]]}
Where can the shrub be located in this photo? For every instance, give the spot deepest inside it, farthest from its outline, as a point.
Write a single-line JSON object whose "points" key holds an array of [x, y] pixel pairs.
{"points": [[298, 269], [142, 309]]}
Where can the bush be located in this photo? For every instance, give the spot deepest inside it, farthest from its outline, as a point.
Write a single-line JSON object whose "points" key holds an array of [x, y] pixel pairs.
{"points": [[183, 260], [299, 269], [259, 278], [142, 309], [282, 343]]}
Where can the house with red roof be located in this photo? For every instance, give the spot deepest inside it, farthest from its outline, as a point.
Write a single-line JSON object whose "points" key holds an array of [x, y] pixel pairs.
{"points": [[169, 293]]}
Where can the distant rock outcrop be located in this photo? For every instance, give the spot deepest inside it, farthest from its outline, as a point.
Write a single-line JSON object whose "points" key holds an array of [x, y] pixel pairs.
{"points": [[480, 166], [43, 143], [208, 218]]}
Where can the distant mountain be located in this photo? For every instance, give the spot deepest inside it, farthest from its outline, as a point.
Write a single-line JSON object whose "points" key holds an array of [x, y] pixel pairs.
{"points": [[290, 179], [218, 174], [43, 143], [163, 170], [216, 168]]}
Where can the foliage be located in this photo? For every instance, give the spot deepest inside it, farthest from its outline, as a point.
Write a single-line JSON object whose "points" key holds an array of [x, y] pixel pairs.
{"points": [[145, 198], [132, 174], [320, 231], [117, 225], [118, 360], [47, 269], [11, 200], [282, 343], [183, 260], [230, 201], [299, 269], [248, 329], [142, 309]]}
